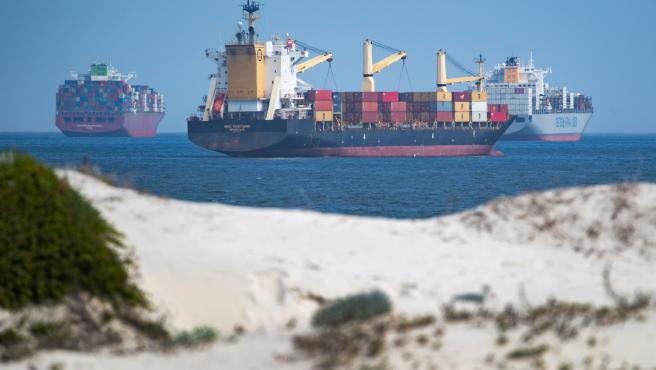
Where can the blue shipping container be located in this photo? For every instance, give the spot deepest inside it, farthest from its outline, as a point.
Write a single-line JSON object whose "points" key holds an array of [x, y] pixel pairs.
{"points": [[441, 106]]}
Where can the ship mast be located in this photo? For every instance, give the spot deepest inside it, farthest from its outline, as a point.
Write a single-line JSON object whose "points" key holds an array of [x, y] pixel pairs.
{"points": [[250, 9]]}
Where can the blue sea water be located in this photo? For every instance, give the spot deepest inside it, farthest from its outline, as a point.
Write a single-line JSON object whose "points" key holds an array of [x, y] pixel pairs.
{"points": [[169, 165]]}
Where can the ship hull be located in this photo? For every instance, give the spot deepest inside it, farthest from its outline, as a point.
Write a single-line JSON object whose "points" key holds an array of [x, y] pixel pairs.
{"points": [[554, 127], [85, 124], [299, 138]]}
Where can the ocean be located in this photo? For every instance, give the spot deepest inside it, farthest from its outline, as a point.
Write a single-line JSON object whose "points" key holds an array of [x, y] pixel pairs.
{"points": [[169, 165]]}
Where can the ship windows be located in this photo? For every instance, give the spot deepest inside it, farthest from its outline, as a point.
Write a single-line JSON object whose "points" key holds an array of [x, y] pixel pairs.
{"points": [[111, 119], [100, 119], [67, 119], [78, 119]]}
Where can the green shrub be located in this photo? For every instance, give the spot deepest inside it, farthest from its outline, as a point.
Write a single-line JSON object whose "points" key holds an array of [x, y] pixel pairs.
{"points": [[53, 242], [527, 352], [198, 336], [357, 307]]}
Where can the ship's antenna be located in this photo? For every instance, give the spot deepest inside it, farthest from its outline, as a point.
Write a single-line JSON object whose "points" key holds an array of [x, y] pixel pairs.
{"points": [[250, 9], [530, 60]]}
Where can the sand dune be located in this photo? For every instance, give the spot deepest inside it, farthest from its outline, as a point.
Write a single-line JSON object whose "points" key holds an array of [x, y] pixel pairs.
{"points": [[219, 265]]}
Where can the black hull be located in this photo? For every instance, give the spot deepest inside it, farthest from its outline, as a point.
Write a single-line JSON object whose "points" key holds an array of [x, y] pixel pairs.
{"points": [[299, 138]]}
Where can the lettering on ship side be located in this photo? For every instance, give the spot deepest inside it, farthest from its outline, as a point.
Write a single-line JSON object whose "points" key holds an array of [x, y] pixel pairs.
{"points": [[236, 128], [566, 122]]}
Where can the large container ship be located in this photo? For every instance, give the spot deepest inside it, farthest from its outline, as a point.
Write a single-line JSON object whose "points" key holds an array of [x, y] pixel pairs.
{"points": [[102, 103], [543, 112], [257, 106]]}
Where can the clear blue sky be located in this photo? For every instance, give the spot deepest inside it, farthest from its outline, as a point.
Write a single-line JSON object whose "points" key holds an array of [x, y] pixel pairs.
{"points": [[606, 49]]}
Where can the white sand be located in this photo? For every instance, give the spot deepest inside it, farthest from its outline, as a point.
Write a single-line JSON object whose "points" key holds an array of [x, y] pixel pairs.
{"points": [[218, 265]]}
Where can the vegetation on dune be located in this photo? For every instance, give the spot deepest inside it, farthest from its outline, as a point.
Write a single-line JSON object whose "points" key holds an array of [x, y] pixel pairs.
{"points": [[196, 337], [356, 307], [54, 243]]}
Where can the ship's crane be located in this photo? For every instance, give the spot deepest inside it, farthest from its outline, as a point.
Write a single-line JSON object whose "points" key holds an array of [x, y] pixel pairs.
{"points": [[369, 68], [443, 81], [325, 56]]}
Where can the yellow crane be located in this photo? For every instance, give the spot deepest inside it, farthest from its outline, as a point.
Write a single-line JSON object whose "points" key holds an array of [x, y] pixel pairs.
{"points": [[325, 56], [369, 68], [442, 81]]}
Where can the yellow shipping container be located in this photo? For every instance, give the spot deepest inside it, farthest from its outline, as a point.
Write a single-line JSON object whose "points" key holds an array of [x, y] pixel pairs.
{"points": [[245, 71], [444, 96], [461, 116], [323, 116], [479, 96], [461, 106]]}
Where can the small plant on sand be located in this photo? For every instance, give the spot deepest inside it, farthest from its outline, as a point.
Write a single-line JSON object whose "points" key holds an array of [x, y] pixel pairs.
{"points": [[356, 307], [196, 337], [527, 352]]}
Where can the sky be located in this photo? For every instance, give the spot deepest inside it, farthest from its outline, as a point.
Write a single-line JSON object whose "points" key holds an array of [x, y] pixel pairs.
{"points": [[605, 49]]}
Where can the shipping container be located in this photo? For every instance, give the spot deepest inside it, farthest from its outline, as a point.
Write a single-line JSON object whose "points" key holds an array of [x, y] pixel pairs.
{"points": [[478, 106], [461, 106], [368, 106], [462, 96], [323, 105], [478, 116], [388, 96], [369, 117], [323, 116], [441, 106], [497, 117], [444, 96], [369, 97], [461, 116], [444, 116], [406, 97], [478, 96]]}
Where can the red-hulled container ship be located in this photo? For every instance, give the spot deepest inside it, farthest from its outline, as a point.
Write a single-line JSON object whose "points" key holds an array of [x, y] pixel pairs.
{"points": [[257, 106], [102, 103]]}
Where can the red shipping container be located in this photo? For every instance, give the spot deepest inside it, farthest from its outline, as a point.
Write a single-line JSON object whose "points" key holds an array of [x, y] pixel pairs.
{"points": [[314, 95], [444, 116], [398, 117], [497, 116], [493, 108], [388, 96], [462, 96], [369, 106], [503, 108], [369, 97], [398, 106], [323, 105], [369, 117]]}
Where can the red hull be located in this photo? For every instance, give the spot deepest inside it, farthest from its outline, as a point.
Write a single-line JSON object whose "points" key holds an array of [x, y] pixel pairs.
{"points": [[102, 124], [388, 151]]}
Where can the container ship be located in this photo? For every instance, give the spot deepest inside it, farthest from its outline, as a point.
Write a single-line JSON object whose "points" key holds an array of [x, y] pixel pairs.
{"points": [[102, 103], [258, 106], [543, 113]]}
